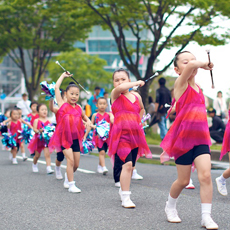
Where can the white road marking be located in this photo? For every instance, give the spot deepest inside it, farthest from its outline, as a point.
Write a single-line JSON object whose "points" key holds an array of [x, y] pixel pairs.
{"points": [[62, 166]]}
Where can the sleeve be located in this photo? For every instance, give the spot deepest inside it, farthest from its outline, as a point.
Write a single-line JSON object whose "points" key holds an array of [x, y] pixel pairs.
{"points": [[19, 104], [215, 104]]}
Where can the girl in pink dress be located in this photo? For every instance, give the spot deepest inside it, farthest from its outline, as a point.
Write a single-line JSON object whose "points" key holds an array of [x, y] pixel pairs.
{"points": [[69, 131], [127, 138], [34, 114], [221, 180], [188, 139], [36, 145], [14, 126], [101, 145]]}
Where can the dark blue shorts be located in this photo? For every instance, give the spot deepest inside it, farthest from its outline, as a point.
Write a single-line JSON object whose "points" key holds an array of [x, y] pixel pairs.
{"points": [[104, 147], [75, 146], [189, 157]]}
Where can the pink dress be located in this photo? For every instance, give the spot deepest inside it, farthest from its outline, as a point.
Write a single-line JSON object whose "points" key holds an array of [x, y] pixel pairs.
{"points": [[127, 133], [33, 118], [98, 142], [14, 128], [37, 144], [190, 127], [69, 127], [226, 141]]}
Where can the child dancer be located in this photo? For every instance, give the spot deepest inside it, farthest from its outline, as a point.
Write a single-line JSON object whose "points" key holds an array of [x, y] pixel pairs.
{"points": [[101, 145], [14, 126], [127, 140], [34, 114], [36, 145], [60, 155], [69, 131], [221, 180], [188, 139]]}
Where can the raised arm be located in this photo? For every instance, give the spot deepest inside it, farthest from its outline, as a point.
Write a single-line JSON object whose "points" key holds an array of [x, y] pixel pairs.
{"points": [[116, 92], [57, 88], [190, 68], [51, 106]]}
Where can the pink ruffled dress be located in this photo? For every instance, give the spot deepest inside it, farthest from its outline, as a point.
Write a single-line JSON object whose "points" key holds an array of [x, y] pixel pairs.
{"points": [[98, 142], [127, 133], [69, 127], [14, 128], [226, 141], [190, 127], [33, 118], [36, 144]]}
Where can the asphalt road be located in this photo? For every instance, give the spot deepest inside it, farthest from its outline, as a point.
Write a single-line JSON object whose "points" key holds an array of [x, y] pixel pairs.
{"points": [[39, 201]]}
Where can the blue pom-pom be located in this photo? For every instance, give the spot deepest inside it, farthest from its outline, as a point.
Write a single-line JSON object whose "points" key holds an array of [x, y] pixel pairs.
{"points": [[8, 140], [47, 133], [102, 129]]}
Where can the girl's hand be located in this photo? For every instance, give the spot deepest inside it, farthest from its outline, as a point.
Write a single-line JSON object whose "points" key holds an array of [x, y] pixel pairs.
{"points": [[66, 74], [207, 66], [88, 123], [140, 83]]}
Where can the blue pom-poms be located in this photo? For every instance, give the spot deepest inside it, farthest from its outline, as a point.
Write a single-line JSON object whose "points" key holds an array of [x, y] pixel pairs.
{"points": [[8, 140], [102, 129]]}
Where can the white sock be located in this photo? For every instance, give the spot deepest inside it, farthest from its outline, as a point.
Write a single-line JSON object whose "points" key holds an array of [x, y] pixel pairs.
{"points": [[222, 179], [57, 168], [206, 209], [171, 202], [48, 167], [23, 155]]}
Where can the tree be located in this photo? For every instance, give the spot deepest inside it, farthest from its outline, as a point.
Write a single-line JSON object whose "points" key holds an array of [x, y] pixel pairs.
{"points": [[32, 31], [86, 69], [163, 20]]}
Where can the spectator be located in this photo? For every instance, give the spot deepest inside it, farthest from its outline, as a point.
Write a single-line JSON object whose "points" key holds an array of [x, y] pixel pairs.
{"points": [[24, 105], [108, 108], [163, 96], [93, 100], [219, 105], [151, 106], [218, 127]]}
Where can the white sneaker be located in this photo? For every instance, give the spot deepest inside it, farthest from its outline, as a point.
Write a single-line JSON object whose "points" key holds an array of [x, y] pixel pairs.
{"points": [[10, 156], [136, 176], [221, 187], [118, 184], [172, 215], [58, 173], [99, 169], [49, 170], [104, 170], [14, 161], [190, 185], [24, 157], [35, 168], [208, 223], [73, 188], [66, 182], [126, 201]]}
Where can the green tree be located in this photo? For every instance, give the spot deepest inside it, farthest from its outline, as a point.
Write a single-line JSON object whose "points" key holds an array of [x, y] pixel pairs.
{"points": [[86, 69], [164, 21], [31, 31]]}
